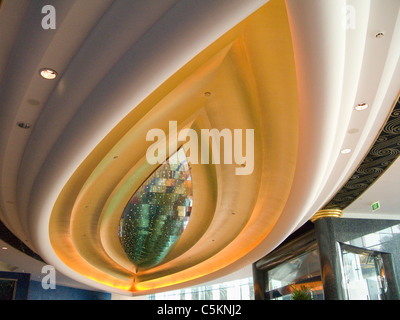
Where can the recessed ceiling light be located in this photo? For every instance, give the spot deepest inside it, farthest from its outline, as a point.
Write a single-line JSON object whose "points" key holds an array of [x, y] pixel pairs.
{"points": [[23, 125], [361, 106], [48, 74], [379, 35], [345, 151], [4, 248]]}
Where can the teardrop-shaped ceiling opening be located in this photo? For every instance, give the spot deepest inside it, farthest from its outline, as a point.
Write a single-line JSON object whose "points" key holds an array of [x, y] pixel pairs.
{"points": [[158, 212]]}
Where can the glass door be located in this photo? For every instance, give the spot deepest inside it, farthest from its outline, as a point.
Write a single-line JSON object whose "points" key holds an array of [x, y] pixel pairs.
{"points": [[364, 274], [301, 274]]}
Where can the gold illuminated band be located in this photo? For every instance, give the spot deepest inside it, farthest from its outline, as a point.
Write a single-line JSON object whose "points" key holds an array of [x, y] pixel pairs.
{"points": [[327, 213]]}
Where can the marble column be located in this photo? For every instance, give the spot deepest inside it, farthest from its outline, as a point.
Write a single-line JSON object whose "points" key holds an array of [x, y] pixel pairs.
{"points": [[258, 281], [329, 252]]}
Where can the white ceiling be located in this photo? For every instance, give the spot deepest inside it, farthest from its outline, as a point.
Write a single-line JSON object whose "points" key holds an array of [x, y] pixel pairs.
{"points": [[386, 191]]}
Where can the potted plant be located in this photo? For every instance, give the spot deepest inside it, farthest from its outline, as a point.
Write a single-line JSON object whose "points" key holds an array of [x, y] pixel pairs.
{"points": [[303, 293]]}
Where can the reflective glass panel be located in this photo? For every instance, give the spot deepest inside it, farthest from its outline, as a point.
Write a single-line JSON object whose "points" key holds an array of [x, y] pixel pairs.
{"points": [[242, 289], [157, 213], [299, 273], [364, 274]]}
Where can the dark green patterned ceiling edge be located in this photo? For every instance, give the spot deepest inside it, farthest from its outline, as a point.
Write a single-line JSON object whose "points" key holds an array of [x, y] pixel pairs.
{"points": [[7, 236], [382, 154]]}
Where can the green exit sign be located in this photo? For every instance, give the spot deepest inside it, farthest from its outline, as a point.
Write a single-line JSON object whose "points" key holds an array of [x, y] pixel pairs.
{"points": [[375, 206]]}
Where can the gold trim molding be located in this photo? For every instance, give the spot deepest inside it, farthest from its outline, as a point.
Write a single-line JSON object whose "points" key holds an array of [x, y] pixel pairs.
{"points": [[327, 213]]}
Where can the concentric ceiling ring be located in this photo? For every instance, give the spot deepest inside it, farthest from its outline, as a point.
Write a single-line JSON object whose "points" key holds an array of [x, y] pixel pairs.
{"points": [[231, 213]]}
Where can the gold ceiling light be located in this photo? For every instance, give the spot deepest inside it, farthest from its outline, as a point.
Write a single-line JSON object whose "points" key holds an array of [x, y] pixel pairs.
{"points": [[345, 151], [361, 106], [48, 73]]}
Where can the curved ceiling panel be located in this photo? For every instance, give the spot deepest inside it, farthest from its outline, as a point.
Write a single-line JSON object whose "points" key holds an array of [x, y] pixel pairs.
{"points": [[260, 96], [220, 89]]}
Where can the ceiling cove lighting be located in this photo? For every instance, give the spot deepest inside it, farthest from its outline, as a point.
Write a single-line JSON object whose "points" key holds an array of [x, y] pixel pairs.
{"points": [[48, 73], [158, 212], [361, 106]]}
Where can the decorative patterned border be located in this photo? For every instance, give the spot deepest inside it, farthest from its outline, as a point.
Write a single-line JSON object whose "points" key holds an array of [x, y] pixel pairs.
{"points": [[382, 154], [7, 236]]}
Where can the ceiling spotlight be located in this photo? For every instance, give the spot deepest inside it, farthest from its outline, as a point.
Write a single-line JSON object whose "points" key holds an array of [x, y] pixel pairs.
{"points": [[345, 151], [48, 74], [4, 248], [23, 125], [379, 35], [361, 106]]}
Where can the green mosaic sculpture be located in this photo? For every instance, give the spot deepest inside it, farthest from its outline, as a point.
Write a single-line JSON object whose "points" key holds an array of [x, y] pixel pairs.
{"points": [[158, 212]]}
